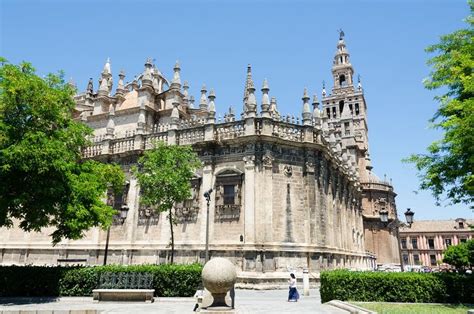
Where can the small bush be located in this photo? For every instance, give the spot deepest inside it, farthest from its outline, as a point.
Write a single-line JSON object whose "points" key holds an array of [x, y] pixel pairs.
{"points": [[168, 280], [396, 287]]}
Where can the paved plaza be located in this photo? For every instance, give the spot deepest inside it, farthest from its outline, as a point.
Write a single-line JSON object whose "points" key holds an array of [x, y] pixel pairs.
{"points": [[247, 301]]}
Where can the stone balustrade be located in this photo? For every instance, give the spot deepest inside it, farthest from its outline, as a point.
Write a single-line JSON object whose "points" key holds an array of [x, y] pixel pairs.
{"points": [[188, 132]]}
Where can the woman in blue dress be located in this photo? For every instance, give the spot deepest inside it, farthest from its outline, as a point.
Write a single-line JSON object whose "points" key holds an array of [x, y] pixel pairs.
{"points": [[293, 295]]}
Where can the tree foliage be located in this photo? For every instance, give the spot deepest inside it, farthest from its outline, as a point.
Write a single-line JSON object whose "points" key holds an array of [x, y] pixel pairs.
{"points": [[164, 174], [447, 167], [43, 180], [457, 256]]}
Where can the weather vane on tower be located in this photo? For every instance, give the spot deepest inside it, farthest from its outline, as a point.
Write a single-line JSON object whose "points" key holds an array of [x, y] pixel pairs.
{"points": [[341, 34]]}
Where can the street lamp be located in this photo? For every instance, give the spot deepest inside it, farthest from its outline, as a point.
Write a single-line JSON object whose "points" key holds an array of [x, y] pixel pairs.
{"points": [[207, 195], [123, 213], [396, 223]]}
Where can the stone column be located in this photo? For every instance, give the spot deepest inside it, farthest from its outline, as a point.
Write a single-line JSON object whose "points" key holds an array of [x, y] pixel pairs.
{"points": [[249, 126], [266, 194], [249, 199], [311, 200]]}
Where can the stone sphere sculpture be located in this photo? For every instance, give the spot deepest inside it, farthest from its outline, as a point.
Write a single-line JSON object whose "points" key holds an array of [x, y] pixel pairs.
{"points": [[218, 276]]}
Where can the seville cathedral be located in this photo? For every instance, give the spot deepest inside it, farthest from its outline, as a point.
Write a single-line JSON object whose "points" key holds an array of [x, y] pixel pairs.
{"points": [[288, 192]]}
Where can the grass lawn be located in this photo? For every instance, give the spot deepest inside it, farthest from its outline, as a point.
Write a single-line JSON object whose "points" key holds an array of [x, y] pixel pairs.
{"points": [[405, 308]]}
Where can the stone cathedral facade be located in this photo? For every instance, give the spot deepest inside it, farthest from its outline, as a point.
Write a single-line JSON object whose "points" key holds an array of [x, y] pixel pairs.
{"points": [[289, 193]]}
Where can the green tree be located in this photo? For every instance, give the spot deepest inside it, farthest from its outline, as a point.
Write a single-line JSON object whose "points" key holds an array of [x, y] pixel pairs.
{"points": [[457, 256], [470, 252], [43, 180], [164, 174], [446, 169]]}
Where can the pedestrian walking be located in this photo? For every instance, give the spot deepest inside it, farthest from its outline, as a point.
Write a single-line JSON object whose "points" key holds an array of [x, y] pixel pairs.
{"points": [[293, 294]]}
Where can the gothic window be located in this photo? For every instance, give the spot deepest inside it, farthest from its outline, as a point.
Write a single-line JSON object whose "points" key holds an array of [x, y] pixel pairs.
{"points": [[347, 130], [341, 106], [342, 80], [334, 112], [357, 109], [328, 112], [351, 109]]}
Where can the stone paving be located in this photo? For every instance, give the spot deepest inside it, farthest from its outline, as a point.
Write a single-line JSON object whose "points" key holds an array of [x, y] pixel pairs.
{"points": [[247, 301]]}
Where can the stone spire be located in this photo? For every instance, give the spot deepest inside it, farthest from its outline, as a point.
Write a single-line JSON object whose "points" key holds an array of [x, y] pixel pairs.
{"points": [[250, 101], [90, 87], [110, 129], [106, 80], [316, 113], [107, 70], [306, 110], [120, 86], [147, 78], [274, 109], [212, 107], [265, 100], [191, 102], [176, 83], [324, 89], [248, 82], [203, 100], [186, 93], [104, 87], [359, 84], [185, 90]]}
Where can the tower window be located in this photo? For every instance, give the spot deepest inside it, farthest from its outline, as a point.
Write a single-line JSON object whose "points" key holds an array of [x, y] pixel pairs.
{"points": [[341, 106], [334, 112], [328, 112], [357, 109], [341, 59], [342, 80], [351, 109], [347, 130]]}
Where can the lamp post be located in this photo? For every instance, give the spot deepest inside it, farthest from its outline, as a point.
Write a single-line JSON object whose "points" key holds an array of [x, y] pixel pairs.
{"points": [[396, 223], [123, 212], [207, 195]]}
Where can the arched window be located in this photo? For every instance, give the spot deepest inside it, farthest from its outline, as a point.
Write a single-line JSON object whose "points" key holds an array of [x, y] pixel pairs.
{"points": [[357, 109], [342, 80], [341, 106]]}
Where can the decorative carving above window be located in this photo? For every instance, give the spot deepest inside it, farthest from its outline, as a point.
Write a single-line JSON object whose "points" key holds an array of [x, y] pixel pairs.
{"points": [[186, 214], [147, 216], [227, 212]]}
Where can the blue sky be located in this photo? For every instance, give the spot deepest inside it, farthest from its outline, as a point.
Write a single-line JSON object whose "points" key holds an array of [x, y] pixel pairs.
{"points": [[291, 43]]}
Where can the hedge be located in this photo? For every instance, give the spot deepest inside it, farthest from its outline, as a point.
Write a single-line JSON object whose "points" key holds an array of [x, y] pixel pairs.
{"points": [[168, 280], [396, 287]]}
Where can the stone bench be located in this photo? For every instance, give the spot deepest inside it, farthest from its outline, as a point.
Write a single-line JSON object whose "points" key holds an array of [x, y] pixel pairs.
{"points": [[143, 295]]}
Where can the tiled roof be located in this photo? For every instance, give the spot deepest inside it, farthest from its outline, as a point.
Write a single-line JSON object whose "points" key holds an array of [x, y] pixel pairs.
{"points": [[438, 226]]}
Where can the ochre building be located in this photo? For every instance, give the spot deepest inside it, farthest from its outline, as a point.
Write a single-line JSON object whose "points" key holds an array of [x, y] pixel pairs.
{"points": [[289, 192]]}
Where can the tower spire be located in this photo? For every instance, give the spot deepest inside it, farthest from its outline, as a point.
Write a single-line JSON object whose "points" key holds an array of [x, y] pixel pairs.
{"points": [[342, 70], [248, 82]]}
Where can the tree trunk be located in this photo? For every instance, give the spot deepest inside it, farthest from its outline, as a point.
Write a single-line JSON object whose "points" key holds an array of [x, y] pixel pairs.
{"points": [[172, 234]]}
